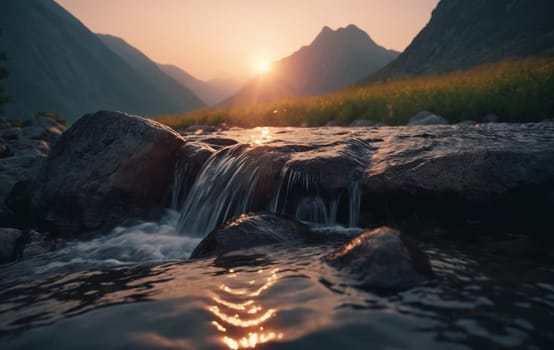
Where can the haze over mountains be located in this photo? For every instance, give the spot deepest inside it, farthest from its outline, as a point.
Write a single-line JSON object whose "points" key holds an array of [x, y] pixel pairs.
{"points": [[462, 34], [211, 91], [56, 64], [334, 60]]}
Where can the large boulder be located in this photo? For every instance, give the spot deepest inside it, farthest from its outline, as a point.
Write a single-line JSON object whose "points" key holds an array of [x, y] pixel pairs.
{"points": [[502, 172], [107, 167], [382, 259], [426, 118], [249, 231]]}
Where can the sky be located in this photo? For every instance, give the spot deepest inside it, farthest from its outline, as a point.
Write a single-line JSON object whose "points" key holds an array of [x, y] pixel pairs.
{"points": [[233, 38]]}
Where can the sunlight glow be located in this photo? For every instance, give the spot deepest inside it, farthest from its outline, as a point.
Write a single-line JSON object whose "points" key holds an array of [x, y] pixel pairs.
{"points": [[263, 67]]}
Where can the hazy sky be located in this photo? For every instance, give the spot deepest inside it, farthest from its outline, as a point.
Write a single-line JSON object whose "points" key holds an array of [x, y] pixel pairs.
{"points": [[211, 38]]}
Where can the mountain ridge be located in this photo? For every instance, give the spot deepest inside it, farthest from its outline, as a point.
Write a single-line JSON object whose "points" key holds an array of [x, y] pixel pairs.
{"points": [[462, 34], [57, 64], [333, 60]]}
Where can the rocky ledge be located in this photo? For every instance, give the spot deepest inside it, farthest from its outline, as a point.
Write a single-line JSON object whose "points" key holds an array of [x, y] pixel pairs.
{"points": [[110, 167]]}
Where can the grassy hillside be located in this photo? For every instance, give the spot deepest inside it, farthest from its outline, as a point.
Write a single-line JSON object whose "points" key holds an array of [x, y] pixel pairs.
{"points": [[517, 91]]}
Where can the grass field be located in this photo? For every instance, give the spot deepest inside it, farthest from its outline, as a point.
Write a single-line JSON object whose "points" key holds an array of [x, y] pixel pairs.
{"points": [[516, 91]]}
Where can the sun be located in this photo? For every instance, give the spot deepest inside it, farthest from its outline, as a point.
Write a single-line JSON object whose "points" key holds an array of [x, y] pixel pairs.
{"points": [[263, 67]]}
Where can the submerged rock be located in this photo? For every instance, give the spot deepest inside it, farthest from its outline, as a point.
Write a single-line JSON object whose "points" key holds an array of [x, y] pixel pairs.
{"points": [[8, 243], [383, 259], [249, 231], [107, 167], [426, 118]]}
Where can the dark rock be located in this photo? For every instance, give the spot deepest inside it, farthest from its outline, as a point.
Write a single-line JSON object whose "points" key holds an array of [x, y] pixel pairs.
{"points": [[362, 123], [426, 118], [249, 231], [107, 167], [16, 169], [18, 203], [199, 129], [382, 259], [190, 159], [467, 123], [220, 141], [40, 243], [502, 172], [8, 243], [4, 149], [491, 118]]}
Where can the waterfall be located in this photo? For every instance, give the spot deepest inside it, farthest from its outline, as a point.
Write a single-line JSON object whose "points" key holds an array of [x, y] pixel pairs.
{"points": [[316, 186], [231, 182]]}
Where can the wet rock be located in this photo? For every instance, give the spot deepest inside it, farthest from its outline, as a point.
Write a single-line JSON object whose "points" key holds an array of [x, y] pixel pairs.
{"points": [[22, 150], [200, 129], [426, 118], [8, 242], [40, 243], [190, 159], [249, 231], [4, 149], [502, 172], [362, 123], [467, 123], [491, 118], [16, 169], [316, 181], [107, 167], [382, 259], [220, 141]]}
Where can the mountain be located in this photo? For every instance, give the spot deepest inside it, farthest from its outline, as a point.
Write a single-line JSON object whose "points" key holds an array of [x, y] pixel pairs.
{"points": [[211, 92], [462, 34], [56, 64], [335, 59]]}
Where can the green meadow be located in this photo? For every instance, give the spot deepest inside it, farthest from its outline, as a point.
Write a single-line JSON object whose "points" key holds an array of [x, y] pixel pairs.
{"points": [[516, 91]]}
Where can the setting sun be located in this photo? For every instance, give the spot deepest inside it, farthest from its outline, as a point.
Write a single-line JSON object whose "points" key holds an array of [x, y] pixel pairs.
{"points": [[263, 67]]}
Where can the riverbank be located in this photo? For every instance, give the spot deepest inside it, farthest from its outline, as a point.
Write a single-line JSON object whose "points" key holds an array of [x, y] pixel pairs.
{"points": [[513, 91]]}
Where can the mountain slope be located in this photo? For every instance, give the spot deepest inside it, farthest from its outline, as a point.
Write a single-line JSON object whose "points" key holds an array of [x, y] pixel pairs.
{"points": [[462, 34], [56, 64], [335, 59], [212, 92]]}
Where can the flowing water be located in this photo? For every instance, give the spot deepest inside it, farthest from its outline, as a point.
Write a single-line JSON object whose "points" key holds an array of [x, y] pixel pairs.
{"points": [[134, 288]]}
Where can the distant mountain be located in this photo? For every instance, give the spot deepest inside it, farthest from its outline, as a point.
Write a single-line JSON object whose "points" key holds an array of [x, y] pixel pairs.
{"points": [[462, 34], [56, 64], [335, 59], [211, 92]]}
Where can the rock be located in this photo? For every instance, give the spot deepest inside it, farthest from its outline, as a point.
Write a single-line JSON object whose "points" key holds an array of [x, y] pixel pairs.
{"points": [[220, 141], [249, 231], [200, 129], [426, 118], [8, 243], [467, 123], [190, 159], [107, 167], [454, 175], [40, 243], [491, 118], [4, 123], [4, 149], [16, 169], [362, 123], [382, 259], [18, 203]]}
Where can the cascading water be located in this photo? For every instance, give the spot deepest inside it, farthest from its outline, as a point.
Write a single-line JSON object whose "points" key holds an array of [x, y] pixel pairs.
{"points": [[231, 182], [244, 178]]}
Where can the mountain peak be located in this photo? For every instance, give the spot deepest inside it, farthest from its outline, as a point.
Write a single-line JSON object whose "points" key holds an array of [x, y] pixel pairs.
{"points": [[350, 32]]}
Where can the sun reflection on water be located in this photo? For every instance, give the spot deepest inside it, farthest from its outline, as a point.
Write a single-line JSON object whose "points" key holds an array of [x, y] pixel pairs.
{"points": [[260, 135], [242, 320]]}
